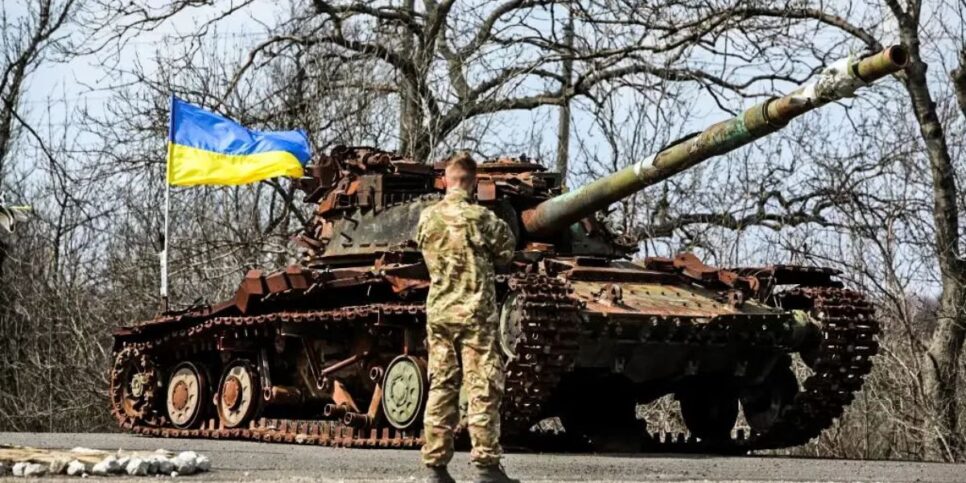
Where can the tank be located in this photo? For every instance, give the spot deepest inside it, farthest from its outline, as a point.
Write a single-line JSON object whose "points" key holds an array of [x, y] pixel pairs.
{"points": [[332, 351]]}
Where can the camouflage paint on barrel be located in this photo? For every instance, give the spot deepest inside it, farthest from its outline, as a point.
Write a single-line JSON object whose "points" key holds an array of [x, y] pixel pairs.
{"points": [[837, 81]]}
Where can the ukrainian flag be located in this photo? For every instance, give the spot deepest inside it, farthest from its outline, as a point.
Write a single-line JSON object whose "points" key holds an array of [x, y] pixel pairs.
{"points": [[207, 149]]}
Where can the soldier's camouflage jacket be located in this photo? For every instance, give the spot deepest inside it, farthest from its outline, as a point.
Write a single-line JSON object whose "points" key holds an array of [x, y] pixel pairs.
{"points": [[461, 242]]}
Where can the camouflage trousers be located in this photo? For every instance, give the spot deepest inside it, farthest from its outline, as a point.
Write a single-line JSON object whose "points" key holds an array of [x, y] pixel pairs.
{"points": [[473, 348]]}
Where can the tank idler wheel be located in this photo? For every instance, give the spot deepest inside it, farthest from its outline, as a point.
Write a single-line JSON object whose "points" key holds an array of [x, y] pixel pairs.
{"points": [[763, 404], [405, 390], [135, 381], [187, 395], [238, 394], [710, 415]]}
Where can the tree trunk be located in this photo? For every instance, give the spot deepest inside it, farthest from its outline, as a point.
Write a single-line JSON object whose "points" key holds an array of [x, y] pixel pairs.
{"points": [[940, 362], [410, 120], [563, 128], [410, 110]]}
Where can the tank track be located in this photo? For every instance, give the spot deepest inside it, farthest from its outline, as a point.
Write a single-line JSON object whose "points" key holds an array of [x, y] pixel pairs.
{"points": [[547, 350], [848, 343]]}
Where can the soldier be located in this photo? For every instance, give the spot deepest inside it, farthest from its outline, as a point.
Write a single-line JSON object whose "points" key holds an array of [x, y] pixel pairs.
{"points": [[461, 242]]}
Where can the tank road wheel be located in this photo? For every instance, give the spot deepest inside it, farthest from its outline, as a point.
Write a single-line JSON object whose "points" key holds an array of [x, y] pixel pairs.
{"points": [[134, 380], [186, 395], [238, 394], [405, 391], [763, 404], [709, 415]]}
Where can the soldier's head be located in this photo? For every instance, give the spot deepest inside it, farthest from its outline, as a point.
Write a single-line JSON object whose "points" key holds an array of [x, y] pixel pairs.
{"points": [[461, 172]]}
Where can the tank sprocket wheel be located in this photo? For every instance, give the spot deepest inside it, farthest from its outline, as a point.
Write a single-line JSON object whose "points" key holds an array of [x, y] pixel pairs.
{"points": [[405, 389], [841, 360], [239, 394], [186, 398], [134, 386]]}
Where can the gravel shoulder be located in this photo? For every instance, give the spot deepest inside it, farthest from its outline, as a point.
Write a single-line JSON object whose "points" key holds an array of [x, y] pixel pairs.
{"points": [[249, 461]]}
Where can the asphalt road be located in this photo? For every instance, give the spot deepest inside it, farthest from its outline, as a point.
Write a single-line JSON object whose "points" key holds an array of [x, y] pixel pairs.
{"points": [[244, 461]]}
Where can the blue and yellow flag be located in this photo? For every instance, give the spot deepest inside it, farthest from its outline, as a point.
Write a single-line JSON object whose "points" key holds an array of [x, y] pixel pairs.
{"points": [[205, 148]]}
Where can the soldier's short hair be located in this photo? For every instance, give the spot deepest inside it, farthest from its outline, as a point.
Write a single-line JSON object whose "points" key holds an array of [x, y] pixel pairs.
{"points": [[464, 161]]}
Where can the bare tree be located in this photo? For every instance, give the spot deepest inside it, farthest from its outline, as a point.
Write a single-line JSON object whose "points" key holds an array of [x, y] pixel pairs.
{"points": [[27, 40], [780, 35], [941, 360]]}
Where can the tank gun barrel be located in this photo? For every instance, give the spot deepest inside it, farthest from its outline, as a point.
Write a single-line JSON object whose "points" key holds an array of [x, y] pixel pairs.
{"points": [[837, 81]]}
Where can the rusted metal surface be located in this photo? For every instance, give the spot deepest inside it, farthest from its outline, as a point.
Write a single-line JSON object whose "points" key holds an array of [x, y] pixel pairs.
{"points": [[338, 366], [760, 120], [180, 397], [655, 299], [230, 392]]}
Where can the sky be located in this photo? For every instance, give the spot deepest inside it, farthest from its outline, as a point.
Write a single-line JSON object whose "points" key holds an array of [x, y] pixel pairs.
{"points": [[86, 78]]}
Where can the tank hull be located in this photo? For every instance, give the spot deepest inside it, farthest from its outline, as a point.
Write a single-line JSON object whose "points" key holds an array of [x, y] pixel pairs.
{"points": [[338, 358]]}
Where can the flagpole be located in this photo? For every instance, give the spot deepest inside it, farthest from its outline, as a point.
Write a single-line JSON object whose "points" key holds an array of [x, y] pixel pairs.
{"points": [[164, 250], [167, 210]]}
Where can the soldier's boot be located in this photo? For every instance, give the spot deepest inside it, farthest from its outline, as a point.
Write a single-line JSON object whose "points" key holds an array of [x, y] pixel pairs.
{"points": [[438, 474], [493, 474]]}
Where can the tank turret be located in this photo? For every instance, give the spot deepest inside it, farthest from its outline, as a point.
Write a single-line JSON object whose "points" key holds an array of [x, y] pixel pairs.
{"points": [[837, 81]]}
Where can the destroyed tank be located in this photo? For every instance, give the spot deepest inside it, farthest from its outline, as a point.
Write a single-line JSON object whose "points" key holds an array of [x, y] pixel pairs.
{"points": [[332, 351]]}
